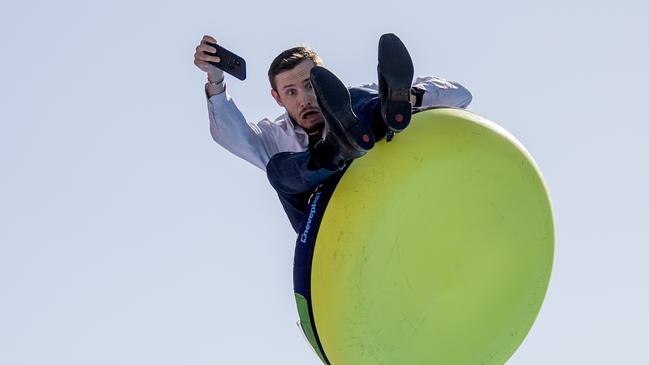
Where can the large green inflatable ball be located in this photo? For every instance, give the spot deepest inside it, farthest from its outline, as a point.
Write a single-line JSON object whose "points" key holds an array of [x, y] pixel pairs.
{"points": [[434, 248]]}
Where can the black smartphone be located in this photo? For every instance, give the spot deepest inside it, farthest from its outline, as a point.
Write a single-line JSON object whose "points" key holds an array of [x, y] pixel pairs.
{"points": [[230, 62]]}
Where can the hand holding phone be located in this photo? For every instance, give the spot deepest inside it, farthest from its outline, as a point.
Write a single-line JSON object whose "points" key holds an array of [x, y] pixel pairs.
{"points": [[231, 63]]}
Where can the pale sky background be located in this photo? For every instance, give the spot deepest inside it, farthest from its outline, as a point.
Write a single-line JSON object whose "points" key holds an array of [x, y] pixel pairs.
{"points": [[127, 236]]}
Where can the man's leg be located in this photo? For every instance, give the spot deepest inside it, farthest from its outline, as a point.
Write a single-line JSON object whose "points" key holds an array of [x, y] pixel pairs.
{"points": [[342, 129], [294, 176], [291, 175], [367, 107], [395, 71]]}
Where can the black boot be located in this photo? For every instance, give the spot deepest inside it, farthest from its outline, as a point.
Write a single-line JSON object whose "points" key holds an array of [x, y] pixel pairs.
{"points": [[345, 137], [395, 71]]}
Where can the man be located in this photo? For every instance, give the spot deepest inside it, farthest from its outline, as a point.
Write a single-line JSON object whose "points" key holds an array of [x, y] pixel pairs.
{"points": [[325, 125]]}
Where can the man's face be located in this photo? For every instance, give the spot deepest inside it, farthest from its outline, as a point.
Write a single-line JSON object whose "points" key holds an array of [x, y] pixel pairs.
{"points": [[295, 94]]}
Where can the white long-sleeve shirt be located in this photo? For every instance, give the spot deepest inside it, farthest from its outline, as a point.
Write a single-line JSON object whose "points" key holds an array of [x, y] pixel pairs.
{"points": [[258, 142]]}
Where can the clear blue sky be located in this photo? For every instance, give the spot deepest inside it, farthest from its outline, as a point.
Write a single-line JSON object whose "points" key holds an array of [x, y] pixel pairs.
{"points": [[127, 236]]}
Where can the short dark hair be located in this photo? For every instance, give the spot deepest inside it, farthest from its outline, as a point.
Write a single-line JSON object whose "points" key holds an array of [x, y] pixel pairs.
{"points": [[290, 58]]}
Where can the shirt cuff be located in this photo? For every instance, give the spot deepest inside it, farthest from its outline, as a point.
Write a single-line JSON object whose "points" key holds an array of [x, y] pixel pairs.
{"points": [[219, 89]]}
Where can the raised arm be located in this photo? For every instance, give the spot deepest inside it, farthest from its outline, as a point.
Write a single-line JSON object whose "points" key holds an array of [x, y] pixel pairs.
{"points": [[253, 142], [215, 77]]}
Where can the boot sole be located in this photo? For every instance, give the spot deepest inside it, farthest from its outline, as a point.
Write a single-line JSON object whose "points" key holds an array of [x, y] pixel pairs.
{"points": [[335, 104], [396, 68]]}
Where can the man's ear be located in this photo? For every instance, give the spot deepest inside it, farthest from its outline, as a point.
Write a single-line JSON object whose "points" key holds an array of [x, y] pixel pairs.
{"points": [[276, 97]]}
